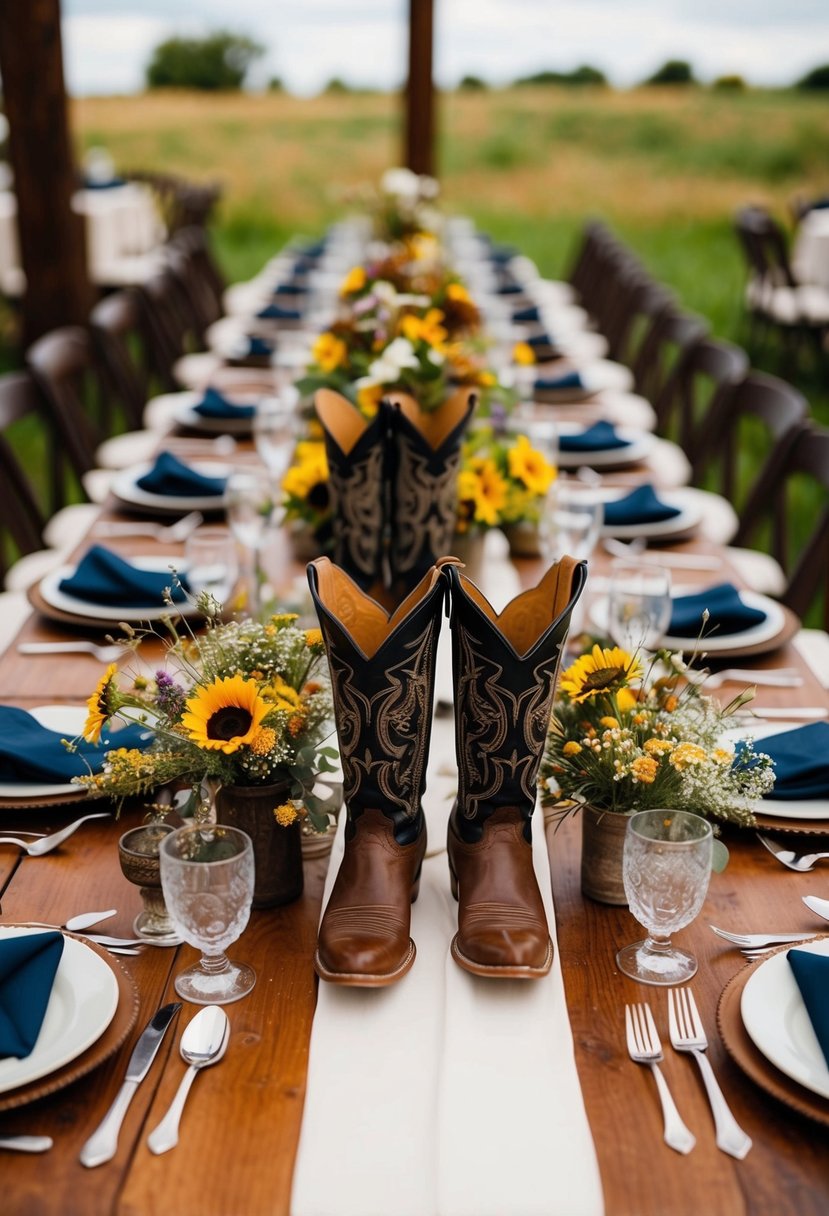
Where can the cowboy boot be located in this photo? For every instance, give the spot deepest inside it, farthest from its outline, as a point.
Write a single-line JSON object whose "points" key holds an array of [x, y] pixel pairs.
{"points": [[425, 454], [505, 669], [355, 449], [382, 676]]}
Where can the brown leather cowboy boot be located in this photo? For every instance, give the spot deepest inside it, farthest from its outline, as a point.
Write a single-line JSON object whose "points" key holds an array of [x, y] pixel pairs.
{"points": [[424, 457], [383, 674], [356, 452], [505, 670]]}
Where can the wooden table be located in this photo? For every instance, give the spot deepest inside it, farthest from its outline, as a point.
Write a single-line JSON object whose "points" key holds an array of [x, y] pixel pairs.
{"points": [[239, 1140]]}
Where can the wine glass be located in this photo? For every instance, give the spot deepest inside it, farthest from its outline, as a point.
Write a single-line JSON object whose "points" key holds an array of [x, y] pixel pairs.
{"points": [[207, 878], [639, 604], [571, 520], [212, 562], [249, 507], [274, 432], [666, 868]]}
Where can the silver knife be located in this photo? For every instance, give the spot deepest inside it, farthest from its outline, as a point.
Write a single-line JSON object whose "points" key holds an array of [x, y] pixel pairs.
{"points": [[103, 1143]]}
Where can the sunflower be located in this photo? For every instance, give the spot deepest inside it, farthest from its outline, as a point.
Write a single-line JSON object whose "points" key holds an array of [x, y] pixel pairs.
{"points": [[329, 352], [528, 465], [601, 671], [98, 708], [225, 715], [484, 486], [353, 282]]}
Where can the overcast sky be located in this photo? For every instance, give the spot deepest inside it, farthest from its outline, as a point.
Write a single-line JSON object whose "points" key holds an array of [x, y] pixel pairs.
{"points": [[107, 42]]}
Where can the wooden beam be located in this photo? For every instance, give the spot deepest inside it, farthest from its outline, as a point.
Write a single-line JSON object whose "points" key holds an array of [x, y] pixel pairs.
{"points": [[52, 244], [420, 91]]}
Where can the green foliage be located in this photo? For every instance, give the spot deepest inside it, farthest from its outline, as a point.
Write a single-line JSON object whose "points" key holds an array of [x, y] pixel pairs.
{"points": [[818, 78], [733, 83], [275, 85], [220, 61], [337, 86], [579, 76], [674, 71], [472, 84]]}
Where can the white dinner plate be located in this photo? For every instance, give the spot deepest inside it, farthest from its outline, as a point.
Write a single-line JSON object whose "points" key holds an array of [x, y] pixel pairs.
{"points": [[779, 808], [639, 445], [125, 486], [82, 1004], [764, 631], [777, 1022], [69, 720], [52, 594], [186, 415], [687, 503]]}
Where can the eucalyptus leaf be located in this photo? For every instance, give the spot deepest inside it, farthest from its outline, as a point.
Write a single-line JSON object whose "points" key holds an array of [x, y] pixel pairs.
{"points": [[719, 856]]}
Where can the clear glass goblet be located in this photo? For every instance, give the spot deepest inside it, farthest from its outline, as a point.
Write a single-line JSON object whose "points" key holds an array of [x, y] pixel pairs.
{"points": [[212, 562], [639, 604], [666, 869], [571, 520], [207, 877], [274, 432], [249, 510]]}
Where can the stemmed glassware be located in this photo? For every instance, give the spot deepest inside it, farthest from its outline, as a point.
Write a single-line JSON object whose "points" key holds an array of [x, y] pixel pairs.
{"points": [[639, 604], [571, 520], [207, 874], [212, 562], [274, 433], [666, 869], [249, 509]]}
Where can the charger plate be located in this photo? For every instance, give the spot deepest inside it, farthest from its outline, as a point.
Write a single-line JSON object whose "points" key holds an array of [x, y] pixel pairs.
{"points": [[116, 1032], [753, 1063]]}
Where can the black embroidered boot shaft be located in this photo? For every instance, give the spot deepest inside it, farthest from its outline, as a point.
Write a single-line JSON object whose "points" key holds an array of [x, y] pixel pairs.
{"points": [[382, 674], [505, 669]]}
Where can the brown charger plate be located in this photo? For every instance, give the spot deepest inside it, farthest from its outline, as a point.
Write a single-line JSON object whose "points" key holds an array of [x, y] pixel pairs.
{"points": [[70, 618], [754, 1064], [113, 1037], [793, 827], [791, 625], [47, 800]]}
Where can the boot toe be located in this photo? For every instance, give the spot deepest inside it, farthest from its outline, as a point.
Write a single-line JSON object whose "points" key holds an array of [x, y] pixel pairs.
{"points": [[501, 938], [350, 947]]}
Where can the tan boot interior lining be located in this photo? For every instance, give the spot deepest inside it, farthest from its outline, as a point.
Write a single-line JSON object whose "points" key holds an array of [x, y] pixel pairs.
{"points": [[527, 616], [367, 623], [343, 422], [436, 425]]}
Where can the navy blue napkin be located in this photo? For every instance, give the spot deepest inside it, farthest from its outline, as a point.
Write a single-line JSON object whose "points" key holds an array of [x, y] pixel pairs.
{"points": [[102, 577], [28, 965], [811, 971], [510, 289], [526, 316], [171, 476], [289, 289], [276, 312], [727, 613], [801, 763], [214, 405], [257, 348], [31, 752], [597, 438], [641, 506], [556, 384], [108, 185]]}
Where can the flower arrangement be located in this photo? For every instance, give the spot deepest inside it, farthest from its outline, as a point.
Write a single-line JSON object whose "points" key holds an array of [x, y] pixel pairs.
{"points": [[244, 703], [405, 205], [503, 479], [627, 739]]}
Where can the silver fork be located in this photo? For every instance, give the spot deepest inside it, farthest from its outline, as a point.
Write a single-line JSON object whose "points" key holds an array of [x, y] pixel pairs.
{"points": [[644, 1047], [801, 862], [753, 941], [687, 1034], [636, 549], [179, 531], [784, 677], [104, 654], [38, 848]]}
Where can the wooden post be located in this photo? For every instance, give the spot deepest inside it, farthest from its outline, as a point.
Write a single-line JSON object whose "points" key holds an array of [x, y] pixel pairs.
{"points": [[52, 244], [420, 92]]}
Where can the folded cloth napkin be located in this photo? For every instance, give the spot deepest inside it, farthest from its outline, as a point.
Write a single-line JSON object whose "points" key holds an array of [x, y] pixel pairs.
{"points": [[510, 289], [596, 438], [555, 384], [113, 182], [28, 965], [31, 752], [727, 613], [289, 289], [214, 405], [811, 971], [640, 506], [276, 312], [255, 347], [171, 476], [801, 763], [102, 577], [526, 316]]}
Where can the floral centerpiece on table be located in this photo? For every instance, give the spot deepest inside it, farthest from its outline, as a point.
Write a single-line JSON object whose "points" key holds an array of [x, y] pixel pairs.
{"points": [[244, 703], [625, 738], [405, 205], [503, 480]]}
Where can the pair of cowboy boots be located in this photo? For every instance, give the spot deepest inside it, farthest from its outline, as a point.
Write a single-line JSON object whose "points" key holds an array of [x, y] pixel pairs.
{"points": [[393, 485], [383, 673]]}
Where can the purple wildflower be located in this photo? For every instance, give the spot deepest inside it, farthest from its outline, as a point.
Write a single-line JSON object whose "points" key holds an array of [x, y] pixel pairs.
{"points": [[170, 696]]}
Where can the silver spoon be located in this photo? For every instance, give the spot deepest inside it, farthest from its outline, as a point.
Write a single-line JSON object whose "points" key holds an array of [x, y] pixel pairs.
{"points": [[203, 1043], [37, 848], [75, 924], [27, 1144], [819, 906]]}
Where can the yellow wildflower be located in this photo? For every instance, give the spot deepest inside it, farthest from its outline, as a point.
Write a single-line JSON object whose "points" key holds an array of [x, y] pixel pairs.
{"points": [[283, 618], [604, 669], [458, 294], [426, 329], [644, 769], [657, 747], [97, 707], [313, 637], [224, 715], [329, 352], [369, 398], [485, 488], [671, 703], [626, 699], [286, 814], [530, 466], [523, 354], [263, 741], [609, 723], [721, 755], [571, 748], [353, 282], [685, 754]]}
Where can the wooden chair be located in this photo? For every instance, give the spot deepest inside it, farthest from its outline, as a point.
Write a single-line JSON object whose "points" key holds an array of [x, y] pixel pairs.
{"points": [[170, 324], [796, 514], [706, 372], [80, 401], [670, 333], [117, 325]]}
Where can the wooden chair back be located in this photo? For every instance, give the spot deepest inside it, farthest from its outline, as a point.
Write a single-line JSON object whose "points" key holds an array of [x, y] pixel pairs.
{"points": [[705, 373], [120, 338]]}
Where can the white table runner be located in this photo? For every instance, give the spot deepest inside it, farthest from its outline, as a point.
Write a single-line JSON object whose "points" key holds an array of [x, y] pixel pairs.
{"points": [[445, 1094]]}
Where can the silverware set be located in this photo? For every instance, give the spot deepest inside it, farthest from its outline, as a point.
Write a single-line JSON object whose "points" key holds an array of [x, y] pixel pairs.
{"points": [[687, 1034], [46, 844], [801, 862]]}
